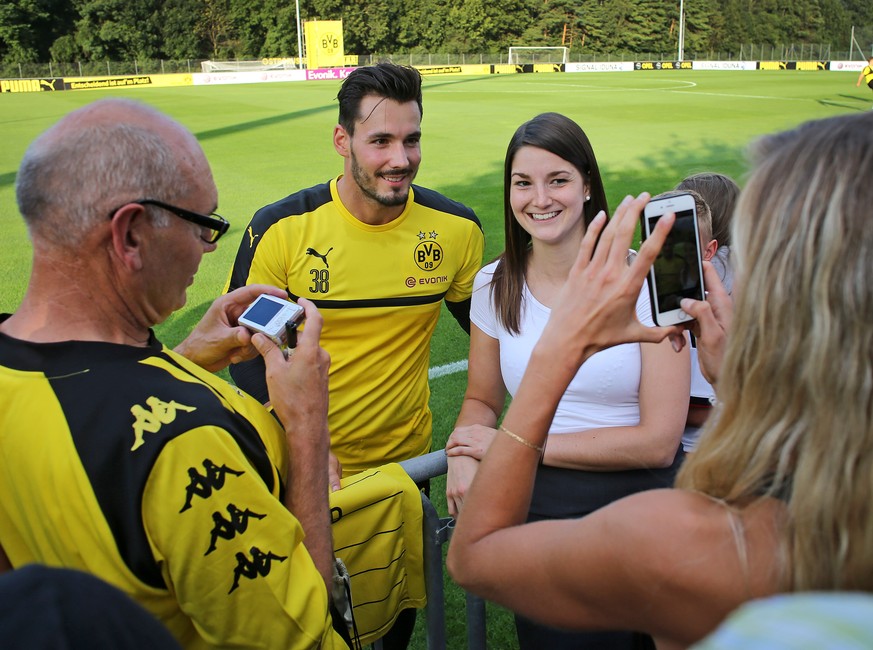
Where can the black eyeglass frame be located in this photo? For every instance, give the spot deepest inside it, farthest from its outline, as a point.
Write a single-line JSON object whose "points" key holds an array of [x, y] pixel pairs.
{"points": [[215, 223]]}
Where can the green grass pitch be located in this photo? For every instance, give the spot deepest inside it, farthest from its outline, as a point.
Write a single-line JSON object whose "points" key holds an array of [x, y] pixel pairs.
{"points": [[264, 141]]}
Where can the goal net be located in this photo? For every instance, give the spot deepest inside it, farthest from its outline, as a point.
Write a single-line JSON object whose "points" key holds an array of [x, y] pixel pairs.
{"points": [[521, 55]]}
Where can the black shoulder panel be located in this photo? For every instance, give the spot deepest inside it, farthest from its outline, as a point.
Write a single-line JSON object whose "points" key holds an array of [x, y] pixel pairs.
{"points": [[103, 404], [301, 202], [436, 201]]}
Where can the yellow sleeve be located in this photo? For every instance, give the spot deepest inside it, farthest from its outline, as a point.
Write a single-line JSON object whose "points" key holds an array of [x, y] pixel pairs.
{"points": [[230, 551], [462, 286], [262, 261]]}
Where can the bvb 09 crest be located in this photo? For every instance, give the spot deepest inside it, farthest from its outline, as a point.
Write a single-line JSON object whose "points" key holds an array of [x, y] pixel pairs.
{"points": [[428, 255], [330, 43]]}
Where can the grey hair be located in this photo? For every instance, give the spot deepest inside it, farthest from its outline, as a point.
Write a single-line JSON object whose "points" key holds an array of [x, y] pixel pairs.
{"points": [[74, 175]]}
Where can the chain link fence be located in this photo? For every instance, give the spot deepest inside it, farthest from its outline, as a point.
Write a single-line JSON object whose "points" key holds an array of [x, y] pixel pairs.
{"points": [[745, 52]]}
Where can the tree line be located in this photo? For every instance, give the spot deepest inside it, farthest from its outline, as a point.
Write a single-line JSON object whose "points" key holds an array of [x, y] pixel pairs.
{"points": [[104, 30]]}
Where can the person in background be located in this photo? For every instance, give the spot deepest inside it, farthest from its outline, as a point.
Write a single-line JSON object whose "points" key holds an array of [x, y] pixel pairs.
{"points": [[719, 193], [133, 462], [866, 75], [617, 428], [378, 256], [778, 496], [702, 393]]}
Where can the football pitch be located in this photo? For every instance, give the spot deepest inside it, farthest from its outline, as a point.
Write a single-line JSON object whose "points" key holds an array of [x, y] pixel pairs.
{"points": [[649, 129]]}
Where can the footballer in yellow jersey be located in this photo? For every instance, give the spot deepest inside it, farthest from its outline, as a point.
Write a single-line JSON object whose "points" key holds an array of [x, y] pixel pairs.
{"points": [[378, 256], [379, 289]]}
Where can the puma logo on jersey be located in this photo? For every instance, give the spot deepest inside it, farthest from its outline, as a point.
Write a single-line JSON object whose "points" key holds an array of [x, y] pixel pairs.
{"points": [[323, 258], [252, 237], [150, 421]]}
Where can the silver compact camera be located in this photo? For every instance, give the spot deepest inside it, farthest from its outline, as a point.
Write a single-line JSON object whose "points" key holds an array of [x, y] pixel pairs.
{"points": [[275, 317]]}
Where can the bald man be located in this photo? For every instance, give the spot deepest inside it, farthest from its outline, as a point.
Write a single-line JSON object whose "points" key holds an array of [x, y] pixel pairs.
{"points": [[131, 461]]}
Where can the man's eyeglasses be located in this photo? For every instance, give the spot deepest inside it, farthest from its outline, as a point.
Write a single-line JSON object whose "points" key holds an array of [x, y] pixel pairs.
{"points": [[212, 226]]}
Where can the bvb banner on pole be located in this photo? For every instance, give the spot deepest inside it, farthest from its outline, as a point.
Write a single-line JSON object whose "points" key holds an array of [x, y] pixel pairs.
{"points": [[324, 44]]}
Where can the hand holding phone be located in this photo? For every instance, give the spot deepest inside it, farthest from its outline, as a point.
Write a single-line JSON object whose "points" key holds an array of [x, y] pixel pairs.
{"points": [[275, 317], [677, 271]]}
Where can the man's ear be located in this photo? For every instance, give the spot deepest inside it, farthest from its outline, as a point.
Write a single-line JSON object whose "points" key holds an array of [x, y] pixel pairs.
{"points": [[127, 232], [341, 140], [708, 251]]}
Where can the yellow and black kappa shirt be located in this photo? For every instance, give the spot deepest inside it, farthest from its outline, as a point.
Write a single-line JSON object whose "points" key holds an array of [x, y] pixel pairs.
{"points": [[135, 465]]}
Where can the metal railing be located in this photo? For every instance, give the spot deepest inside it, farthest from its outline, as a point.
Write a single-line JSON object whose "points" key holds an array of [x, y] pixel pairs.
{"points": [[438, 531]]}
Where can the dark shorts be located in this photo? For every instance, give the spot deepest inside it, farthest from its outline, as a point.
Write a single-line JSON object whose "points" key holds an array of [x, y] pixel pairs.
{"points": [[564, 494], [567, 493]]}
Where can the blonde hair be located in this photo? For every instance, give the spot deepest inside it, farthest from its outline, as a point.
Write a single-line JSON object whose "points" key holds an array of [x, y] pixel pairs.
{"points": [[795, 419]]}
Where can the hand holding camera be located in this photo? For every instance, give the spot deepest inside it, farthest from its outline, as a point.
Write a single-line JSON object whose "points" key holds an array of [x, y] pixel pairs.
{"points": [[277, 318]]}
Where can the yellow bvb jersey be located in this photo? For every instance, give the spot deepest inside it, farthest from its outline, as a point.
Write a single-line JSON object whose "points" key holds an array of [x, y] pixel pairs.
{"points": [[139, 467], [379, 290]]}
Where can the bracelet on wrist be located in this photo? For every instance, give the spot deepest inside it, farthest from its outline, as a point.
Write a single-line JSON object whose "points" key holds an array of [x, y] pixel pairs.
{"points": [[526, 443]]}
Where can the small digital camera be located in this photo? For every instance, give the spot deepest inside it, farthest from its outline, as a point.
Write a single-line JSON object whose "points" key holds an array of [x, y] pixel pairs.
{"points": [[275, 317]]}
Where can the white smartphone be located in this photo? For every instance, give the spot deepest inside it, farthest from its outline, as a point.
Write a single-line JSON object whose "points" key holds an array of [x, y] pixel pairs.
{"points": [[275, 317], [677, 272]]}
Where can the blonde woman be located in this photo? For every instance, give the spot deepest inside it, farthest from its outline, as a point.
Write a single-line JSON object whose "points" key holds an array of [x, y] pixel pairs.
{"points": [[779, 494]]}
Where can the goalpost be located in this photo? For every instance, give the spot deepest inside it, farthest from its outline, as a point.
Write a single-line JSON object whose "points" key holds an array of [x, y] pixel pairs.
{"points": [[248, 66], [521, 55]]}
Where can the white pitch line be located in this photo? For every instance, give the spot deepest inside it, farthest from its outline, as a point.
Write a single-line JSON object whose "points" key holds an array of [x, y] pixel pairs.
{"points": [[447, 369], [676, 84], [787, 99]]}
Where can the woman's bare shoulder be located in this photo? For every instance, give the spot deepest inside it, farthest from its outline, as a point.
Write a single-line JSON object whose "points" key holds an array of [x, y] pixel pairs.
{"points": [[702, 557]]}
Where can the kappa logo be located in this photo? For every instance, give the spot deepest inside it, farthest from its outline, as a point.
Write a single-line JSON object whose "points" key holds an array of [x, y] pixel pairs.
{"points": [[260, 565], [202, 485], [252, 237], [323, 258], [151, 421], [229, 528]]}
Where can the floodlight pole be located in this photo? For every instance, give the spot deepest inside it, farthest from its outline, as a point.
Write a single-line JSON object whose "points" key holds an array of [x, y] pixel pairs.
{"points": [[299, 35], [681, 53]]}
